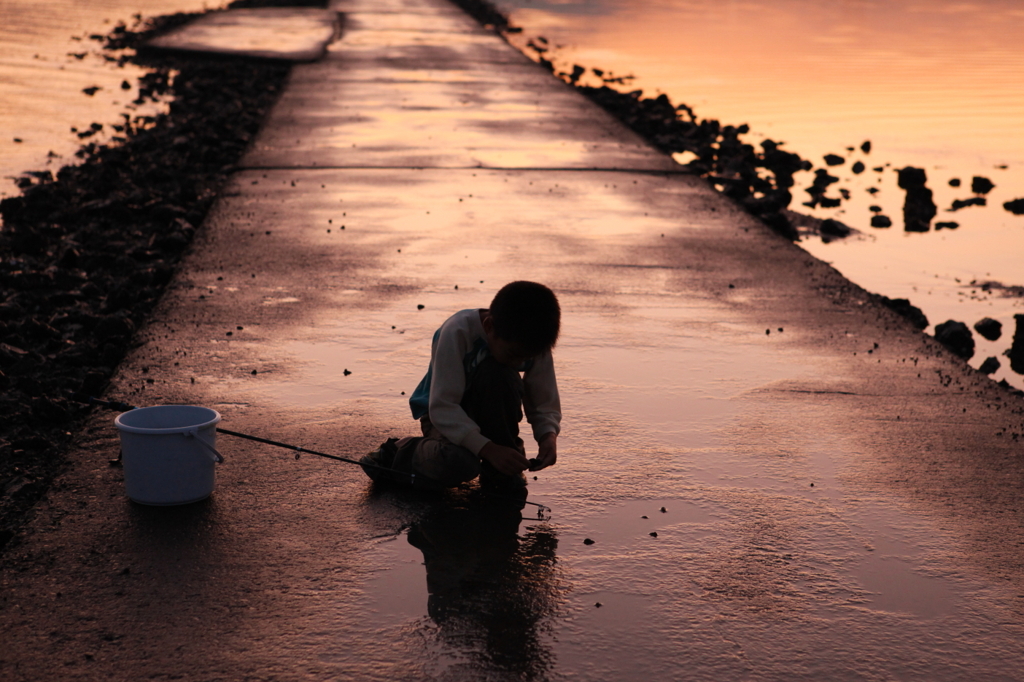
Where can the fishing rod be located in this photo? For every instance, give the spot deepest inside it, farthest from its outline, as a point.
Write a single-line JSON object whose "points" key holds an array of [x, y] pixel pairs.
{"points": [[426, 480]]}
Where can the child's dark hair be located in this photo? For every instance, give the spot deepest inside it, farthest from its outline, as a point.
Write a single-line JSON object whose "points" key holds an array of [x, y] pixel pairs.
{"points": [[527, 313]]}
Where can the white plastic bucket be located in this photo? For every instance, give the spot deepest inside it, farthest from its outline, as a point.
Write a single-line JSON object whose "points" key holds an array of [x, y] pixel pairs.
{"points": [[169, 453]]}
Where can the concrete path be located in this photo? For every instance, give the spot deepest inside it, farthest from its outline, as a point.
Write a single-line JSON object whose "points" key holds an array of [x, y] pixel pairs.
{"points": [[781, 480], [299, 34]]}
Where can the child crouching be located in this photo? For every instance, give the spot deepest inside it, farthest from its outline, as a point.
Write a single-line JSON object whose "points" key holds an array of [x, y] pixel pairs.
{"points": [[487, 367]]}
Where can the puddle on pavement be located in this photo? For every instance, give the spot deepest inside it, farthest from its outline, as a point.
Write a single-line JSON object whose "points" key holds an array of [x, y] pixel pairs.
{"points": [[682, 389], [604, 609], [624, 525], [609, 373], [399, 589], [895, 585], [478, 581]]}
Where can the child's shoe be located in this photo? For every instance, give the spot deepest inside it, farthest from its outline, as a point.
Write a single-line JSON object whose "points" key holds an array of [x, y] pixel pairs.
{"points": [[375, 463]]}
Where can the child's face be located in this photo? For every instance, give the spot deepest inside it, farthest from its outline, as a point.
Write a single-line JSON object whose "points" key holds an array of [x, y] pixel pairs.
{"points": [[505, 352]]}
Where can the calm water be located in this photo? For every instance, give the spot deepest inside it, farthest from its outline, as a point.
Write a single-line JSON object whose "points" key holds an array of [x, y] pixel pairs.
{"points": [[932, 84]]}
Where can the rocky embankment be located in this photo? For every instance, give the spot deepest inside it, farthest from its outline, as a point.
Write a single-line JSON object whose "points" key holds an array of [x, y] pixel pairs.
{"points": [[85, 255]]}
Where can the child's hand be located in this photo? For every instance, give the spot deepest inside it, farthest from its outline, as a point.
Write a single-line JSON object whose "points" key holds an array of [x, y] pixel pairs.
{"points": [[547, 453], [508, 461]]}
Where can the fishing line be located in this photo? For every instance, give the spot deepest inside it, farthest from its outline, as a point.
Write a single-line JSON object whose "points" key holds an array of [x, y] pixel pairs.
{"points": [[412, 476]]}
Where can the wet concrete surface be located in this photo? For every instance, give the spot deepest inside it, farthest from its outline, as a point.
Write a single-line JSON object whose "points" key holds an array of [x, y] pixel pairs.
{"points": [[833, 495], [294, 34]]}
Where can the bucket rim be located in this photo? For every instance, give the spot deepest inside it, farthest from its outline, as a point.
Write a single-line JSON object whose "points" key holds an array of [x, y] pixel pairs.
{"points": [[128, 428]]}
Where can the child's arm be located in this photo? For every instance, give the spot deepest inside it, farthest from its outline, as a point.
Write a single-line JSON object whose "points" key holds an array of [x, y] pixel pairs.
{"points": [[448, 384], [547, 453], [543, 409]]}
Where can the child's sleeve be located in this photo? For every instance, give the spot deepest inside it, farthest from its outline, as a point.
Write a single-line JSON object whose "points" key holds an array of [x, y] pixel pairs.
{"points": [[541, 403], [448, 385]]}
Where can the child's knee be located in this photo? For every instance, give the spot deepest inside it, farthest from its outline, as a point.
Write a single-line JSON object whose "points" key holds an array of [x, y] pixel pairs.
{"points": [[444, 462]]}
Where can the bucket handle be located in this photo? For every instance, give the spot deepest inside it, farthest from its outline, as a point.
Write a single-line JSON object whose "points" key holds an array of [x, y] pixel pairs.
{"points": [[214, 455]]}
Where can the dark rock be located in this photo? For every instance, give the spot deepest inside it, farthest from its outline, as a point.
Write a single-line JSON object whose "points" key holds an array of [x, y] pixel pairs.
{"points": [[723, 157], [771, 202], [577, 72], [880, 221], [13, 357], [1016, 351], [903, 306], [780, 223], [989, 328], [174, 241], [587, 541], [918, 207], [857, 167], [20, 486], [910, 177], [1016, 207], [954, 182], [834, 160], [782, 164], [981, 185], [48, 410], [964, 203], [866, 147], [36, 330], [94, 382], [956, 337], [68, 258], [112, 352], [10, 310], [30, 385], [33, 443], [990, 366], [947, 225], [488, 15], [834, 228]]}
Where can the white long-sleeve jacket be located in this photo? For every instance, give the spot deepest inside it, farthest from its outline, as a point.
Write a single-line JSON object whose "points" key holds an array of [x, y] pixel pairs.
{"points": [[457, 347]]}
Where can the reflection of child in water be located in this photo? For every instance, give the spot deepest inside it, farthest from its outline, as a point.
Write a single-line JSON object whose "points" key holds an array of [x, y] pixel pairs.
{"points": [[472, 398], [487, 587]]}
